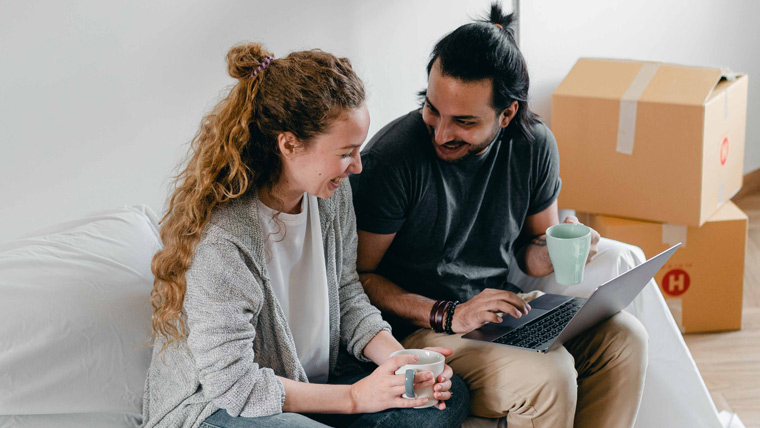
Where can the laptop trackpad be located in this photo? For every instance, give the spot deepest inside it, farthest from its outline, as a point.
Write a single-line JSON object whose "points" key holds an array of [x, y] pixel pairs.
{"points": [[548, 301], [510, 321], [538, 307]]}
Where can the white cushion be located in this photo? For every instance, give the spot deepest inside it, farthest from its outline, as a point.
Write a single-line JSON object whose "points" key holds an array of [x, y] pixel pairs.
{"points": [[75, 316], [72, 420]]}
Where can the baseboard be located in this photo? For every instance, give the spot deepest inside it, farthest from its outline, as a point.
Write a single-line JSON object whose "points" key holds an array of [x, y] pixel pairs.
{"points": [[751, 185]]}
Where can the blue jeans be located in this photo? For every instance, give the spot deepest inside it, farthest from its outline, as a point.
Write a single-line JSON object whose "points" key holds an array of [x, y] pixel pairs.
{"points": [[457, 409], [222, 419]]}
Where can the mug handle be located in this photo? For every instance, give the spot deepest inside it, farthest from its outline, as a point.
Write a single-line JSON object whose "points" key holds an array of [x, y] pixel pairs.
{"points": [[409, 383]]}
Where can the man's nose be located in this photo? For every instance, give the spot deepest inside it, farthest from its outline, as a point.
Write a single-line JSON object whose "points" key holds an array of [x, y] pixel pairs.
{"points": [[443, 133]]}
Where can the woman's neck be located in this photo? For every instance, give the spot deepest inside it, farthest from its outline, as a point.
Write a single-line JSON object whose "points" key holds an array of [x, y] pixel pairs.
{"points": [[282, 199]]}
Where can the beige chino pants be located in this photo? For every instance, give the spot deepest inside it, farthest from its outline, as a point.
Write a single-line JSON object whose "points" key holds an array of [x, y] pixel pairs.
{"points": [[595, 381]]}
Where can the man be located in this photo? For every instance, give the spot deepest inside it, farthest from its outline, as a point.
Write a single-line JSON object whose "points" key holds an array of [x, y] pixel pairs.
{"points": [[447, 195]]}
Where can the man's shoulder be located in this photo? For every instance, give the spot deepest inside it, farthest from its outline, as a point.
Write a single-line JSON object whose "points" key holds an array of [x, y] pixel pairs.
{"points": [[540, 144], [541, 135]]}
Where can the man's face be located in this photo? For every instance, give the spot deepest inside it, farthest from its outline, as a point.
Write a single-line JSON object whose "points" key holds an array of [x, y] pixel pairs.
{"points": [[459, 116]]}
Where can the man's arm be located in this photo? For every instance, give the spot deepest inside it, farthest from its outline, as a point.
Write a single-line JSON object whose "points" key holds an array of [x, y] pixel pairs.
{"points": [[533, 257], [383, 293], [484, 308]]}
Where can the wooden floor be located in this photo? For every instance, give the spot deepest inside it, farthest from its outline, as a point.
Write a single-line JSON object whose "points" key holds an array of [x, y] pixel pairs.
{"points": [[730, 362]]}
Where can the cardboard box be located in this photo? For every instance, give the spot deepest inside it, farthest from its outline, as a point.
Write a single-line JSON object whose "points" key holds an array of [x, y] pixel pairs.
{"points": [[648, 140], [703, 281]]}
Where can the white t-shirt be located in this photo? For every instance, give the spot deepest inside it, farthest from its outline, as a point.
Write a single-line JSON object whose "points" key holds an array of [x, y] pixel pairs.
{"points": [[296, 264]]}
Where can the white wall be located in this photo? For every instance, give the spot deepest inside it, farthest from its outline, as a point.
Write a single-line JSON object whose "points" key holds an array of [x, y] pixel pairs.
{"points": [[99, 99], [391, 46], [555, 33]]}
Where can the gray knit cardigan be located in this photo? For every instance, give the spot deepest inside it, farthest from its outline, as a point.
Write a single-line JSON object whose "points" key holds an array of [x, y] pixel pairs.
{"points": [[238, 337]]}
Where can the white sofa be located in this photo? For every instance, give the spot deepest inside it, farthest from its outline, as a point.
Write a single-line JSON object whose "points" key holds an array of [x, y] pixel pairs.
{"points": [[75, 328]]}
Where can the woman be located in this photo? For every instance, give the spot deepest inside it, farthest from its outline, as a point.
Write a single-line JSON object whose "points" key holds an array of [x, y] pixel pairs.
{"points": [[258, 309]]}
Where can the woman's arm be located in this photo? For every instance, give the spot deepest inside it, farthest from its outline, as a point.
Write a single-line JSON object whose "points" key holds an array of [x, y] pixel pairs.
{"points": [[378, 342], [360, 322], [381, 347], [301, 397]]}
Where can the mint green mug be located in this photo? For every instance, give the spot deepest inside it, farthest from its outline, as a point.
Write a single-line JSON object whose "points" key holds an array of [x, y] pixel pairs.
{"points": [[569, 245]]}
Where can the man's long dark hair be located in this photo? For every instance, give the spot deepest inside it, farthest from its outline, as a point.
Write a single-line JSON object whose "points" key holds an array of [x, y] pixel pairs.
{"points": [[486, 49]]}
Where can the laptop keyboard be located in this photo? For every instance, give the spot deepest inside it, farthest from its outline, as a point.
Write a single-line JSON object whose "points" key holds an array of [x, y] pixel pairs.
{"points": [[542, 329]]}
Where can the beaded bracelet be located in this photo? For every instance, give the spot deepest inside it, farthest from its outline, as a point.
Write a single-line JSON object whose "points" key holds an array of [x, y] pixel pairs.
{"points": [[445, 311], [450, 318]]}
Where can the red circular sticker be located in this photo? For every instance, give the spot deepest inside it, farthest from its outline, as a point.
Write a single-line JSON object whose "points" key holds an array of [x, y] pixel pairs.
{"points": [[675, 282], [724, 151]]}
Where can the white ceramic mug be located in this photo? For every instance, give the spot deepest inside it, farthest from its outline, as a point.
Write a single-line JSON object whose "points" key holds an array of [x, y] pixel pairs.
{"points": [[428, 360]]}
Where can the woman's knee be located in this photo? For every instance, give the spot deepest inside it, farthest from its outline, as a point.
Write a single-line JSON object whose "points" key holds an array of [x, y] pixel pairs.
{"points": [[459, 403], [456, 411], [457, 407], [222, 419]]}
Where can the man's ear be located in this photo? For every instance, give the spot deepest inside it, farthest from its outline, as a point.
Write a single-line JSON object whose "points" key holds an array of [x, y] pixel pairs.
{"points": [[508, 114], [288, 144]]}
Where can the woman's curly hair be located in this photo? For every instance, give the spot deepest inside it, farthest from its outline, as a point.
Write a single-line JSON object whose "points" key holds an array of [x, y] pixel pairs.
{"points": [[236, 151]]}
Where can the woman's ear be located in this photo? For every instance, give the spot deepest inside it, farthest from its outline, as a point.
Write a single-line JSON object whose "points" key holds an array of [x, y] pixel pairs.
{"points": [[288, 144]]}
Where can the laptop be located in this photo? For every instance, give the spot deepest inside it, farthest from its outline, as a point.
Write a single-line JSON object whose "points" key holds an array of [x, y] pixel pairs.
{"points": [[554, 319]]}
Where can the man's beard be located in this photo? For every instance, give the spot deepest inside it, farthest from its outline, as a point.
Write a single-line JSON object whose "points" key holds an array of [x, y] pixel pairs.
{"points": [[473, 150]]}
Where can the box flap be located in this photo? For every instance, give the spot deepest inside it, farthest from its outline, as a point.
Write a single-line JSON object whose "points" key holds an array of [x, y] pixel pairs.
{"points": [[598, 78], [728, 212], [725, 82], [678, 84], [610, 79]]}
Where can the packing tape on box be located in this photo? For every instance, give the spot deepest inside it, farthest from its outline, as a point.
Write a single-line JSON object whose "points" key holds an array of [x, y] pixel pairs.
{"points": [[721, 194], [628, 105], [729, 75], [725, 104], [674, 233]]}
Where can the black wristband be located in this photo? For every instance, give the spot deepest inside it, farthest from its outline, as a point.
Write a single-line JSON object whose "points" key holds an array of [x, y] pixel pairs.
{"points": [[450, 318]]}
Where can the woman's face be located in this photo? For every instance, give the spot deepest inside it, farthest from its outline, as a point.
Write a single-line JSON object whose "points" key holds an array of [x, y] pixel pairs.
{"points": [[321, 167]]}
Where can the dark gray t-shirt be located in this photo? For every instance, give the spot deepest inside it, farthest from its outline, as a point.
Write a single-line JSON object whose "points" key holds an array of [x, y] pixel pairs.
{"points": [[455, 224]]}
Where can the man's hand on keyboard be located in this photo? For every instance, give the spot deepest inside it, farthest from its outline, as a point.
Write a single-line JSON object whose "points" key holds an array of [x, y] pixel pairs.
{"points": [[488, 306]]}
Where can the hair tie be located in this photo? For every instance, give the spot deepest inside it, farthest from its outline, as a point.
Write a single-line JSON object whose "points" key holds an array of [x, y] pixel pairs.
{"points": [[498, 25], [262, 66]]}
